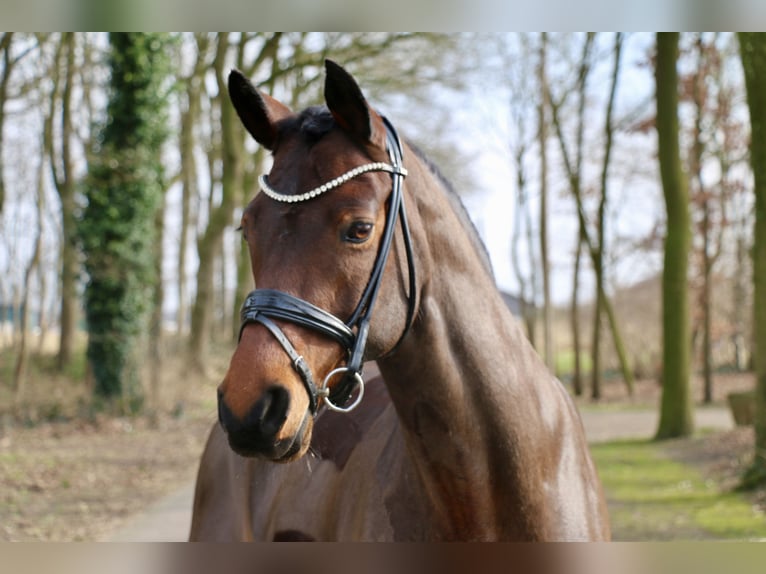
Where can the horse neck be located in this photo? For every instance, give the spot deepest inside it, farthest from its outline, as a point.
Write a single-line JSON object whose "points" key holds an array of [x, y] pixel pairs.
{"points": [[461, 384]]}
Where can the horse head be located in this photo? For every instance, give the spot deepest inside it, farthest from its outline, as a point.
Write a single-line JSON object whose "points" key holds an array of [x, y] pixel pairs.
{"points": [[319, 235]]}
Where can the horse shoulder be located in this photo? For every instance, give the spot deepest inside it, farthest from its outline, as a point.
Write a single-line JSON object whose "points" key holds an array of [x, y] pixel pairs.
{"points": [[579, 510]]}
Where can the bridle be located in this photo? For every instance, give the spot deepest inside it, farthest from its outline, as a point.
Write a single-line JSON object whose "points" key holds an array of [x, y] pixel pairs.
{"points": [[263, 305]]}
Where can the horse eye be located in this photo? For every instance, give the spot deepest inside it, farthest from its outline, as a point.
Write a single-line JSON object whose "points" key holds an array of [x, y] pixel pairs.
{"points": [[358, 232]]}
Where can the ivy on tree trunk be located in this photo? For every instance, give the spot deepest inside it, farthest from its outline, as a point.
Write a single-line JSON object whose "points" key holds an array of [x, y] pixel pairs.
{"points": [[123, 192]]}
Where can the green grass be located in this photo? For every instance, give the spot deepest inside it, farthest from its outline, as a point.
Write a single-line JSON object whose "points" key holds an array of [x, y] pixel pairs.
{"points": [[565, 361], [654, 498]]}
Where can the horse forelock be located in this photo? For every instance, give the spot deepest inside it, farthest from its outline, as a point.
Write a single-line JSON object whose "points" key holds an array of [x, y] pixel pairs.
{"points": [[314, 122]]}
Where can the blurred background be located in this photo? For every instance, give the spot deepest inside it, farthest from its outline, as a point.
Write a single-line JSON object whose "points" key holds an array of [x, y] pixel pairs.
{"points": [[124, 172], [165, 253]]}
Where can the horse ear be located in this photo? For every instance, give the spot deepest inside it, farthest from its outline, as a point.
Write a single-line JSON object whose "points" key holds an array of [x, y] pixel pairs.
{"points": [[349, 107], [258, 112]]}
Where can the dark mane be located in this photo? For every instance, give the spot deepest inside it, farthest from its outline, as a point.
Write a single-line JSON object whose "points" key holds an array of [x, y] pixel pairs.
{"points": [[313, 123], [458, 207]]}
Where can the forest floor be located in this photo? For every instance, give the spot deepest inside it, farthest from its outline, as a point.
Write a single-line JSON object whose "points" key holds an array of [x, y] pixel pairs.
{"points": [[68, 477]]}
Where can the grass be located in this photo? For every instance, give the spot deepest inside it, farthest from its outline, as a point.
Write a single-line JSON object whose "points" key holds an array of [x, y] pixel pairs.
{"points": [[654, 498], [565, 361]]}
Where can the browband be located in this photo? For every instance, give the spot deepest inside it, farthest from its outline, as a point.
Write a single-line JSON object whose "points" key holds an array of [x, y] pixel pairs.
{"points": [[263, 181]]}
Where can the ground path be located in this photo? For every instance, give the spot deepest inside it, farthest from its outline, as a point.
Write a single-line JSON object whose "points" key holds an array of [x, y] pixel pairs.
{"points": [[168, 520]]}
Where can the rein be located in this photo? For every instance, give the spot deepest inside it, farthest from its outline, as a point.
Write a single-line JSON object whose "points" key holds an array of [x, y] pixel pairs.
{"points": [[262, 305]]}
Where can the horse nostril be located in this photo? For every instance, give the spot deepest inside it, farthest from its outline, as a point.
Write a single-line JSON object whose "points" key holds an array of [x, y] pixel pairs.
{"points": [[270, 412], [257, 430]]}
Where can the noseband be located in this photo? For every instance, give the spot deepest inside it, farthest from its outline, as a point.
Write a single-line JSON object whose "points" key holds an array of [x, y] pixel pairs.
{"points": [[263, 305]]}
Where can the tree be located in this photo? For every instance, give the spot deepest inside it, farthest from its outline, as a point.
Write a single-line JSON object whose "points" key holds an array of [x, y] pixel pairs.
{"points": [[715, 140], [117, 228], [676, 417], [519, 69], [598, 251], [190, 119], [8, 63], [22, 358], [753, 53], [10, 58], [231, 149], [544, 256], [704, 198], [62, 170], [595, 248], [573, 168]]}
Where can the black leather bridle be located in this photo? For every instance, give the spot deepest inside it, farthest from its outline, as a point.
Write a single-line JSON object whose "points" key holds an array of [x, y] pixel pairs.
{"points": [[263, 305]]}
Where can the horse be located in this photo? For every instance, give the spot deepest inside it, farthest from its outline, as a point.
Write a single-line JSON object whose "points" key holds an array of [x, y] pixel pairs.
{"points": [[367, 266]]}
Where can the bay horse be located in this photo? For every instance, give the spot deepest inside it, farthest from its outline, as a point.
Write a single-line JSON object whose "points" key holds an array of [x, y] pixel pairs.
{"points": [[360, 252]]}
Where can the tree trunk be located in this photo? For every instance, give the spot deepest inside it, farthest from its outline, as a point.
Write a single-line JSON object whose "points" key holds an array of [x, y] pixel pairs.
{"points": [[595, 251], [703, 200], [738, 295], [221, 299], [707, 337], [22, 358], [544, 261], [5, 52], [124, 193], [619, 345], [44, 312], [676, 416], [598, 253], [209, 245], [156, 339], [576, 181], [598, 306], [523, 217], [575, 321], [63, 178], [190, 118], [753, 51]]}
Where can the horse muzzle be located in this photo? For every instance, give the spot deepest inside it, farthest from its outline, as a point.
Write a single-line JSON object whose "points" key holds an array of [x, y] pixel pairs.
{"points": [[259, 432]]}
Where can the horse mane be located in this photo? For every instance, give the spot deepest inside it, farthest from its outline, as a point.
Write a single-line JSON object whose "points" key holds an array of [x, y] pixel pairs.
{"points": [[458, 207], [315, 122]]}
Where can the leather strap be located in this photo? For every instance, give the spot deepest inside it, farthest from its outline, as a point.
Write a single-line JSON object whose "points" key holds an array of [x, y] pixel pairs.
{"points": [[298, 362], [281, 305], [262, 304]]}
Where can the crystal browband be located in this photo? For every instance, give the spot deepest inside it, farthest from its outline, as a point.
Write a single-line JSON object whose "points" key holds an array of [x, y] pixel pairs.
{"points": [[332, 184]]}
